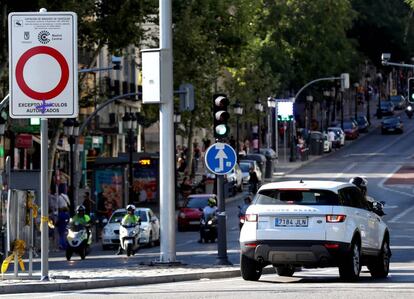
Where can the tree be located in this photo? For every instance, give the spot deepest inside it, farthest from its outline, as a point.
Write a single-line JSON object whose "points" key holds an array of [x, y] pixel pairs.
{"points": [[385, 26], [207, 38], [114, 23]]}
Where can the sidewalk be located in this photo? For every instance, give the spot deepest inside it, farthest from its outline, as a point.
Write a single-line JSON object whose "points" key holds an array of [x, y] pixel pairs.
{"points": [[127, 276]]}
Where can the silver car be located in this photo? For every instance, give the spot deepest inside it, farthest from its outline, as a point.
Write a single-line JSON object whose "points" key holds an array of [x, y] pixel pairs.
{"points": [[150, 228]]}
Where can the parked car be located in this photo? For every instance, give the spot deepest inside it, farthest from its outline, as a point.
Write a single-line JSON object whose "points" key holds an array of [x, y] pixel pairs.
{"points": [[236, 177], [351, 130], [314, 224], [268, 152], [339, 135], [398, 101], [392, 124], [250, 163], [327, 145], [150, 228], [387, 107], [259, 158], [362, 123], [189, 215], [245, 167]]}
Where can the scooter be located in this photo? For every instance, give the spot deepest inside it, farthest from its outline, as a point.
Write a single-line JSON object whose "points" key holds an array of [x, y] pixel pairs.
{"points": [[129, 236], [208, 228], [78, 240], [409, 111]]}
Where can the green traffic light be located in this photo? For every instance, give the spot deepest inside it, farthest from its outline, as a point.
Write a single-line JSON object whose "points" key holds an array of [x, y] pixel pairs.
{"points": [[221, 130]]}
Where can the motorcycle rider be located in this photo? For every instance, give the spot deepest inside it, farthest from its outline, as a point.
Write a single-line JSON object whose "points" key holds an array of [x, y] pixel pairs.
{"points": [[129, 219], [243, 209], [362, 184], [247, 203], [209, 211], [82, 219]]}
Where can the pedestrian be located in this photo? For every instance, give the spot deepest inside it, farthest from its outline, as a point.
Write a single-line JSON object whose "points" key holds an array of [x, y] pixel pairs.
{"points": [[197, 156], [88, 203], [182, 163], [331, 139], [62, 222], [253, 180]]}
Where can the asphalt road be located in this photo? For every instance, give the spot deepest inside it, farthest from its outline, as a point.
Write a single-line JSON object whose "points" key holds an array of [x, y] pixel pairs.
{"points": [[378, 157]]}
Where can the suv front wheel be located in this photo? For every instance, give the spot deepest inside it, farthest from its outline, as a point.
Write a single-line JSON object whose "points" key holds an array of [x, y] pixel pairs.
{"points": [[351, 266], [250, 269]]}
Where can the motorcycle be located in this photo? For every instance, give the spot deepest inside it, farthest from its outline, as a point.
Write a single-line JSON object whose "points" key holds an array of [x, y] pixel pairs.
{"points": [[409, 111], [129, 236], [208, 228], [78, 241]]}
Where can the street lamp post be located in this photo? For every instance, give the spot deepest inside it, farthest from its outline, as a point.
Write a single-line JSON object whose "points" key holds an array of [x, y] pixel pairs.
{"points": [[367, 96], [379, 81], [2, 131], [71, 131], [259, 108], [356, 85], [308, 118], [130, 123], [238, 110], [271, 103]]}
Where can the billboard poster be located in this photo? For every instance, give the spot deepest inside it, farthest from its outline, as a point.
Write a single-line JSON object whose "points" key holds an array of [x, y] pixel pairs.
{"points": [[145, 184], [108, 188]]}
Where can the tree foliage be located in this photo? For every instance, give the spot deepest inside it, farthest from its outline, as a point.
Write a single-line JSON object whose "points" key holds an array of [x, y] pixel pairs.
{"points": [[383, 26]]}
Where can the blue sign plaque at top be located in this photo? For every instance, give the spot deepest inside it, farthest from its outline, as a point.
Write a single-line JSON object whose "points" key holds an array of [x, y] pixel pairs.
{"points": [[220, 158]]}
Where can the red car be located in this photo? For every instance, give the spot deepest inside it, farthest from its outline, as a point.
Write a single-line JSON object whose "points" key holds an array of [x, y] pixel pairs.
{"points": [[351, 130], [189, 215]]}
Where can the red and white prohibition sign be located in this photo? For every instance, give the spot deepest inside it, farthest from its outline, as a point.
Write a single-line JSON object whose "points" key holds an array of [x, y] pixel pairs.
{"points": [[64, 67]]}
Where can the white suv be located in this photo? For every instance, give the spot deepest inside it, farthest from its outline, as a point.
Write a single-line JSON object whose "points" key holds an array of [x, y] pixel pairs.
{"points": [[314, 224]]}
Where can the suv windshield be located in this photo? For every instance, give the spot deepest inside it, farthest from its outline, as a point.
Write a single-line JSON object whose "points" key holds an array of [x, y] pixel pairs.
{"points": [[297, 197]]}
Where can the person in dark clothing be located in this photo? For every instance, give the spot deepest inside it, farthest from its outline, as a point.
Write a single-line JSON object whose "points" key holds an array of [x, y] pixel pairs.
{"points": [[88, 203], [253, 181]]}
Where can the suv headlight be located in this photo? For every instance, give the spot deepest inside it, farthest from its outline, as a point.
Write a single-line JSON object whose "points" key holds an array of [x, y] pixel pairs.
{"points": [[182, 215]]}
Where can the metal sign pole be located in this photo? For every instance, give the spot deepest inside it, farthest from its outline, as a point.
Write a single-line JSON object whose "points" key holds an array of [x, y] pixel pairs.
{"points": [[221, 222], [44, 209]]}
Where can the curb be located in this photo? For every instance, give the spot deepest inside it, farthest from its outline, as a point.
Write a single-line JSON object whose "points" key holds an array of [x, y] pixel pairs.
{"points": [[51, 286]]}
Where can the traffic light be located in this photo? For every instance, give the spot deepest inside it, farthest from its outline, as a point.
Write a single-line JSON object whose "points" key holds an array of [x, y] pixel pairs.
{"points": [[220, 115], [411, 90]]}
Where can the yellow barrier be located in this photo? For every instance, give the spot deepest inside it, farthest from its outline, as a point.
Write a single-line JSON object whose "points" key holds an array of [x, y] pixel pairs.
{"points": [[19, 247]]}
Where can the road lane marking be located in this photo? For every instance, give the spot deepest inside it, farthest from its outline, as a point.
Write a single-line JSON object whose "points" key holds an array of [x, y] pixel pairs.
{"points": [[381, 183], [347, 169], [402, 214], [402, 247]]}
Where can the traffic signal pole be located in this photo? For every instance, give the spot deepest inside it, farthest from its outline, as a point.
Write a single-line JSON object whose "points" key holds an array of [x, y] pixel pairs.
{"points": [[167, 165], [222, 258]]}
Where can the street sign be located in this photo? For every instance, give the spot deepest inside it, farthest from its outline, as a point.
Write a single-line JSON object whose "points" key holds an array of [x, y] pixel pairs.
{"points": [[43, 64], [220, 158]]}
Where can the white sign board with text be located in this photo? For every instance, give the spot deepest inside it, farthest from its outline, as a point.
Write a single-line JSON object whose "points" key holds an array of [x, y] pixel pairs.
{"points": [[43, 64]]}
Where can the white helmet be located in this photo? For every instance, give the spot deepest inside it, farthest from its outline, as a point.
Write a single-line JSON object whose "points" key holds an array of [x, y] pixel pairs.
{"points": [[130, 208]]}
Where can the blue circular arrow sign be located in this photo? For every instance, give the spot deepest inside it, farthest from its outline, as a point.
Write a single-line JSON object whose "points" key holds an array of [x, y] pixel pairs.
{"points": [[220, 158]]}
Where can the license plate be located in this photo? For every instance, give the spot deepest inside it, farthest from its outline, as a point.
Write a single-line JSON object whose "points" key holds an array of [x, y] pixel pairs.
{"points": [[291, 222], [391, 129], [194, 222]]}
